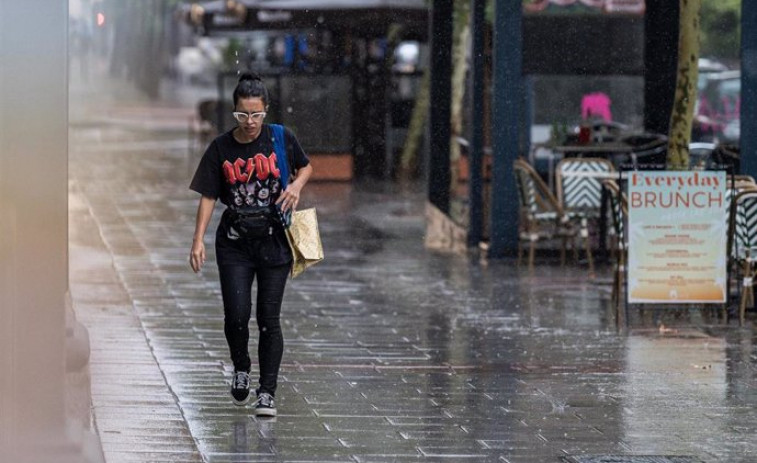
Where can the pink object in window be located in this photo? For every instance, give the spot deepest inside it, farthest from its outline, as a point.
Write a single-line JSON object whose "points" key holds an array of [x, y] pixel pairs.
{"points": [[596, 105]]}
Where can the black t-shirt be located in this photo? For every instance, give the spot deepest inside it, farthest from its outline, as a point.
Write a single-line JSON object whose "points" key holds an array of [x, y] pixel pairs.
{"points": [[246, 177]]}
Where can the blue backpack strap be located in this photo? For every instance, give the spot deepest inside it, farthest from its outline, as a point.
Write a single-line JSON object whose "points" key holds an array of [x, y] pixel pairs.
{"points": [[279, 147]]}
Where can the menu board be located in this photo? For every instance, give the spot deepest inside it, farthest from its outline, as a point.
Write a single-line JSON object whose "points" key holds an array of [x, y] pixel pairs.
{"points": [[677, 225]]}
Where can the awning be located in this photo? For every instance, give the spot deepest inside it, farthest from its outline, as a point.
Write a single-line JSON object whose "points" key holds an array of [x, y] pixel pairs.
{"points": [[343, 4], [365, 17]]}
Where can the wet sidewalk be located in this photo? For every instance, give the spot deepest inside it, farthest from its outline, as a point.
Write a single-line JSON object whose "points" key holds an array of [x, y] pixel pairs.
{"points": [[392, 352]]}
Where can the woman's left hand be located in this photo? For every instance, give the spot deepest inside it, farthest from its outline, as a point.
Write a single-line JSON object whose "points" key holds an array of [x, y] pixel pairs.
{"points": [[290, 197]]}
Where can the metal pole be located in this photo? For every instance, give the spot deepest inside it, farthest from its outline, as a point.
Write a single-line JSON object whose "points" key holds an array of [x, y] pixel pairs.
{"points": [[476, 153], [506, 114], [439, 111]]}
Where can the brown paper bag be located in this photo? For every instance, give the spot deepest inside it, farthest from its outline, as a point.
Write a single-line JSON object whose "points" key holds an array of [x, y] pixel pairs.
{"points": [[304, 240]]}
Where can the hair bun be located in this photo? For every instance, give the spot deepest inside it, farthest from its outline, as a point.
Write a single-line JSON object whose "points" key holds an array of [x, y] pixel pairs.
{"points": [[250, 76]]}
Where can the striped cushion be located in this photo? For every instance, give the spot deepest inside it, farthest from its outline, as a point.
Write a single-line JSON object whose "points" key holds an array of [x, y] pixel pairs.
{"points": [[745, 233], [580, 191]]}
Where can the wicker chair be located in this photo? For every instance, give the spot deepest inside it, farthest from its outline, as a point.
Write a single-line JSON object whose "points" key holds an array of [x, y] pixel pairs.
{"points": [[619, 213], [743, 179], [742, 242], [579, 192], [541, 216]]}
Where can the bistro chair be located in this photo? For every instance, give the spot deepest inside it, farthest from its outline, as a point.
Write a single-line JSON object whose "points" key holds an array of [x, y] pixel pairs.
{"points": [[742, 178], [541, 216], [725, 155], [735, 185], [648, 151], [579, 192], [742, 242], [740, 183], [619, 214]]}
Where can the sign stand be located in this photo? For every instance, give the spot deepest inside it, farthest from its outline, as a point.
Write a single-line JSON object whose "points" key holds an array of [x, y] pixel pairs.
{"points": [[677, 226]]}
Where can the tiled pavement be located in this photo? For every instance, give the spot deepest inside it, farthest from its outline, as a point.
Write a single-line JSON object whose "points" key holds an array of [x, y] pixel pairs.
{"points": [[392, 353]]}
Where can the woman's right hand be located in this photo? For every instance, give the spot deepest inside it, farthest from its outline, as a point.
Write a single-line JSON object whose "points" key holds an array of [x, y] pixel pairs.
{"points": [[197, 255], [204, 211]]}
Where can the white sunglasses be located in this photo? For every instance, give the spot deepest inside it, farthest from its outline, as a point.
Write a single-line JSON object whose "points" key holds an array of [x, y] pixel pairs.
{"points": [[242, 116]]}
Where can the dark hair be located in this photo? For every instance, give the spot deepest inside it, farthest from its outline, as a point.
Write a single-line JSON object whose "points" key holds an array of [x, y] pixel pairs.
{"points": [[250, 85]]}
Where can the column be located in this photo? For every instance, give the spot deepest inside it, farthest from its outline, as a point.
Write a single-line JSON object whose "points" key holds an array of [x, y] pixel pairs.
{"points": [[506, 129], [660, 63], [34, 235], [748, 116]]}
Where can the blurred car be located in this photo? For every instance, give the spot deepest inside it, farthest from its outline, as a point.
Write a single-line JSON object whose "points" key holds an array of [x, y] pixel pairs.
{"points": [[707, 68], [716, 117]]}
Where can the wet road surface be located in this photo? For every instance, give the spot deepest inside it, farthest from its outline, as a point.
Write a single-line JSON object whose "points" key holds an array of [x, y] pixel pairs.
{"points": [[392, 352]]}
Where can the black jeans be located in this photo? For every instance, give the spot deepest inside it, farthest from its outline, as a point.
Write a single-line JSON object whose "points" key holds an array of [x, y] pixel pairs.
{"points": [[236, 288]]}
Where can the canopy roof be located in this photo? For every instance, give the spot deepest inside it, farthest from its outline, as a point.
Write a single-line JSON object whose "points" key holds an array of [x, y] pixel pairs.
{"points": [[342, 4], [364, 17]]}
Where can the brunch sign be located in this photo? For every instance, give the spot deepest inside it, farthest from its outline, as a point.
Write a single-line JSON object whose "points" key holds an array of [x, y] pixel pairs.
{"points": [[677, 237], [676, 189]]}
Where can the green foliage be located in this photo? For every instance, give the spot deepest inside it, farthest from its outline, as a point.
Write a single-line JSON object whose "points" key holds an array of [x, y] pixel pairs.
{"points": [[232, 54], [721, 28]]}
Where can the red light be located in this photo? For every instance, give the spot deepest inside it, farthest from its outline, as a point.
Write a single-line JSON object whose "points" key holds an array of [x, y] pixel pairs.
{"points": [[100, 20]]}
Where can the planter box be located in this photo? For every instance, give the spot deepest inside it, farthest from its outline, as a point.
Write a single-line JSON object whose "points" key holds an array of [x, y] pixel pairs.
{"points": [[331, 166]]}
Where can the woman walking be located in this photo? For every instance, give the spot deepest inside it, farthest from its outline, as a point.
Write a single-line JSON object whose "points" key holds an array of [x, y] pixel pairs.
{"points": [[258, 171]]}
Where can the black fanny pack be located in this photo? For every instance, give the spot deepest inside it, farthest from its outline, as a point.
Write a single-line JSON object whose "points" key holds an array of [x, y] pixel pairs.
{"points": [[252, 224]]}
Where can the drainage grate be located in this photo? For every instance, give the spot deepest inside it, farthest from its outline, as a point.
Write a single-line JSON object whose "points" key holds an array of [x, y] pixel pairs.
{"points": [[632, 459]]}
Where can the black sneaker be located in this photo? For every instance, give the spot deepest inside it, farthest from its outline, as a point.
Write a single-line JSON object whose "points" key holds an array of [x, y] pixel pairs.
{"points": [[265, 406], [240, 388]]}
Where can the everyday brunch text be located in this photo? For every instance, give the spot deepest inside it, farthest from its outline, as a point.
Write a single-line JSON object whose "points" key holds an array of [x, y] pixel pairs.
{"points": [[667, 190]]}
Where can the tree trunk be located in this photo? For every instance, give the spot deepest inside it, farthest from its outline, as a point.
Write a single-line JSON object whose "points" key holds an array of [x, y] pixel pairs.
{"points": [[461, 34], [686, 85], [408, 161], [460, 46]]}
